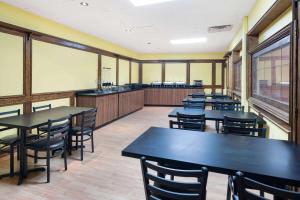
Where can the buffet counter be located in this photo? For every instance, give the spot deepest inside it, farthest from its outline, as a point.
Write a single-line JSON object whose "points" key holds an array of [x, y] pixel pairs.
{"points": [[111, 105]]}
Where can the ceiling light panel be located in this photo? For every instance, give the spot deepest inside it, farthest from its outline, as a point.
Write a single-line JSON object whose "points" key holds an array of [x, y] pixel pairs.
{"points": [[147, 2], [189, 41]]}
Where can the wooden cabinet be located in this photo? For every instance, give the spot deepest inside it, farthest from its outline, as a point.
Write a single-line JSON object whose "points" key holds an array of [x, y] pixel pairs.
{"points": [[130, 102], [107, 106], [167, 96], [112, 106]]}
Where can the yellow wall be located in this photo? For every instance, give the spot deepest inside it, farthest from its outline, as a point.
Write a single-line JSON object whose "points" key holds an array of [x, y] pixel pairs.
{"points": [[54, 103], [236, 39], [57, 68], [134, 72], [108, 69], [201, 71], [175, 72], [218, 73], [123, 72], [11, 65], [151, 72]]}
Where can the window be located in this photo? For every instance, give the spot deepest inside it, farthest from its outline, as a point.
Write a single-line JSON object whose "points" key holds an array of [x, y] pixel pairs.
{"points": [[271, 73], [237, 75]]}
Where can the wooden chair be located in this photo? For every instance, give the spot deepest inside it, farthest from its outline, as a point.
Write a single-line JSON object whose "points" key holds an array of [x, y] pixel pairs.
{"points": [[194, 105], [250, 132], [243, 184], [189, 122], [56, 139], [160, 188], [9, 142], [85, 131]]}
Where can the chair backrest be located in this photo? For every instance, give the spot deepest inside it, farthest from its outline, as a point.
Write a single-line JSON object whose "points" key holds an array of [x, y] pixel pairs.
{"points": [[251, 132], [88, 119], [191, 122], [244, 184], [198, 95], [228, 106], [194, 105], [9, 114], [240, 122], [39, 108], [159, 187], [58, 127], [221, 97]]}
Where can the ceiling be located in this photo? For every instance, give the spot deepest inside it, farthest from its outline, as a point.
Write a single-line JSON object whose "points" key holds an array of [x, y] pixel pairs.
{"points": [[147, 29]]}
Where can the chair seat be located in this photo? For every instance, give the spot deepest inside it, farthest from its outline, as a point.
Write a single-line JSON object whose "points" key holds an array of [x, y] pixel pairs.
{"points": [[76, 130], [9, 139], [41, 144]]}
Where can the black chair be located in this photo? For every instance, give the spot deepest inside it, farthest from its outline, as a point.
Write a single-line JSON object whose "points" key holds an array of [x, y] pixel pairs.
{"points": [[56, 139], [189, 122], [194, 105], [9, 142], [200, 95], [85, 130], [240, 123], [245, 186], [242, 131], [160, 188]]}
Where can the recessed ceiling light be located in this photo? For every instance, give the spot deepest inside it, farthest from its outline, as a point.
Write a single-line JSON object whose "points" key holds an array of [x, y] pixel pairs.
{"points": [[189, 41], [84, 4], [147, 2]]}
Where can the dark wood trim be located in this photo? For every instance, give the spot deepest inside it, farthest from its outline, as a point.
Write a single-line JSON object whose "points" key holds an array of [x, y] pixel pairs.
{"points": [[184, 61], [99, 71], [27, 74], [163, 72], [279, 7], [117, 71], [238, 46], [52, 96], [274, 38], [213, 78], [223, 75], [140, 73], [188, 73], [130, 71]]}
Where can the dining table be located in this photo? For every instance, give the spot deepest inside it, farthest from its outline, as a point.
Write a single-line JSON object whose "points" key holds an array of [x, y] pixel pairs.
{"points": [[270, 160], [218, 115], [26, 122]]}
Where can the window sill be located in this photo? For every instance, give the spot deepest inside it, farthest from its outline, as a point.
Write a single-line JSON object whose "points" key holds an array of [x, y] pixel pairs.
{"points": [[277, 116]]}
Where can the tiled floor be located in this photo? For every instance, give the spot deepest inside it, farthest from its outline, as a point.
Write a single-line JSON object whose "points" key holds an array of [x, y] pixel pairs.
{"points": [[105, 174]]}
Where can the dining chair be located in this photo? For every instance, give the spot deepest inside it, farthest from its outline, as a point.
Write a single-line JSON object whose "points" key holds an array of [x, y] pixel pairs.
{"points": [[250, 132], [55, 139], [189, 122], [10, 140], [245, 187], [194, 105], [41, 108], [202, 95], [159, 187], [240, 122], [85, 130]]}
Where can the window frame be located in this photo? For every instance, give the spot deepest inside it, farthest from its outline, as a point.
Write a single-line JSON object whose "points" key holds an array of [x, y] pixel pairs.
{"points": [[236, 91], [277, 109]]}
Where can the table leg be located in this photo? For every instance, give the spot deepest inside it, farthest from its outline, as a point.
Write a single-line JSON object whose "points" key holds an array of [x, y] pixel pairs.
{"points": [[70, 137], [23, 160]]}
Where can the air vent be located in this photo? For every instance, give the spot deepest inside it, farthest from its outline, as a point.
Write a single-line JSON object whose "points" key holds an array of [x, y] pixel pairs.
{"points": [[222, 28]]}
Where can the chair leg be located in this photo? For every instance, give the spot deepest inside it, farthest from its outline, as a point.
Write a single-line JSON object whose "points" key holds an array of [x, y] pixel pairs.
{"points": [[76, 147], [12, 167], [261, 193], [92, 141], [228, 192], [35, 156], [81, 143], [18, 152], [65, 155], [48, 166]]}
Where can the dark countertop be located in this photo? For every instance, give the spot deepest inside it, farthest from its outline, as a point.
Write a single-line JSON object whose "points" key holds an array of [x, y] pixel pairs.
{"points": [[103, 93]]}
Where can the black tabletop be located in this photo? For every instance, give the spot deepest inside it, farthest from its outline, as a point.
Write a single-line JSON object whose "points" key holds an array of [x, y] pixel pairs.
{"points": [[216, 114], [35, 119], [220, 153], [211, 101], [208, 95]]}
